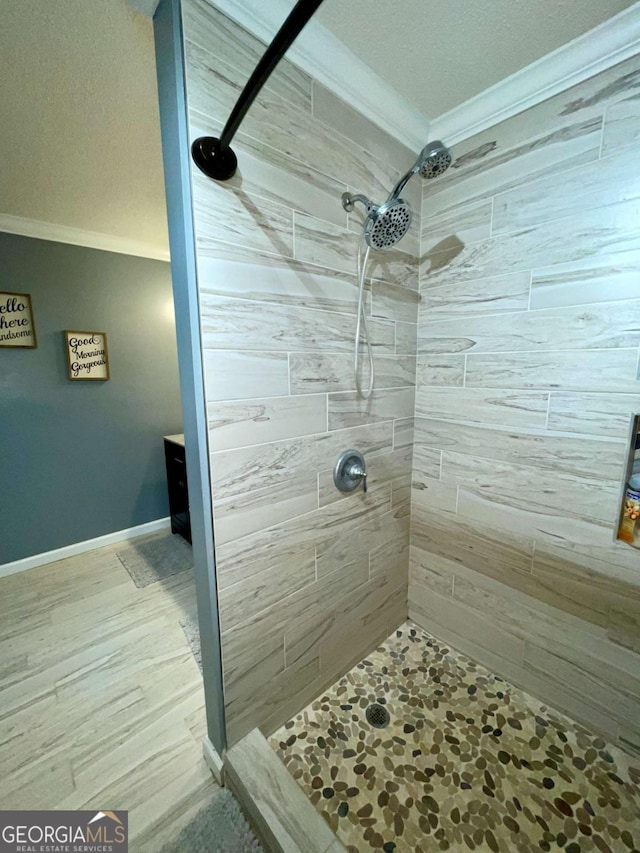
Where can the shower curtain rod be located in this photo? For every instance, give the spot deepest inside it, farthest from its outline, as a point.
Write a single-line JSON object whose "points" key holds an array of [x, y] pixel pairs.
{"points": [[213, 156]]}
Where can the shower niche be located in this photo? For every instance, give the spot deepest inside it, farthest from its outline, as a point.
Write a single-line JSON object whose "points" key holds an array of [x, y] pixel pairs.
{"points": [[629, 524]]}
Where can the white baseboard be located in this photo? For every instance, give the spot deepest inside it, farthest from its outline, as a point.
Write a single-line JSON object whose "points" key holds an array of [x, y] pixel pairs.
{"points": [[81, 547], [213, 761]]}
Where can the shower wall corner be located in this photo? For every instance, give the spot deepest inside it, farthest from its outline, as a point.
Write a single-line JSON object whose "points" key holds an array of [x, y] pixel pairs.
{"points": [[307, 580]]}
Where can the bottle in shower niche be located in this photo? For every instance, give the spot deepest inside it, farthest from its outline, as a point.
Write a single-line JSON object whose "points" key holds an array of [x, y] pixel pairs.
{"points": [[629, 523]]}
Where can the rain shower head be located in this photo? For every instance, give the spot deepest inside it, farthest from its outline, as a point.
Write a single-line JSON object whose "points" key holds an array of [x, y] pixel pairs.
{"points": [[386, 224]]}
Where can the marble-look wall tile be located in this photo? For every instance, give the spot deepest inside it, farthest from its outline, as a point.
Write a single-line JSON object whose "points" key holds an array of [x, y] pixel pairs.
{"points": [[595, 280], [348, 409], [538, 490], [427, 461], [303, 572], [453, 299], [393, 302], [240, 515], [403, 433], [467, 223], [245, 469], [603, 326], [621, 126], [429, 493], [563, 620], [332, 111], [213, 88], [570, 370], [222, 213], [586, 234], [581, 188], [206, 26], [269, 173], [246, 324], [356, 541], [318, 242], [243, 600], [592, 413], [478, 405], [382, 470], [406, 338], [326, 372], [599, 458], [440, 369], [239, 423], [501, 158], [238, 375], [267, 548]]}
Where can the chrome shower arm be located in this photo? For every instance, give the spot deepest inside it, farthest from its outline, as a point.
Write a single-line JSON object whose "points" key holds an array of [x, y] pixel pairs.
{"points": [[349, 202], [404, 180]]}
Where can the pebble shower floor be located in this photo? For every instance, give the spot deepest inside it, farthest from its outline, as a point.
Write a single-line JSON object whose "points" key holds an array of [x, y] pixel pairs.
{"points": [[467, 761]]}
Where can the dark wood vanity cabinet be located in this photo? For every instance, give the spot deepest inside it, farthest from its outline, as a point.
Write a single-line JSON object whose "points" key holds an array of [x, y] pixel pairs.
{"points": [[178, 487]]}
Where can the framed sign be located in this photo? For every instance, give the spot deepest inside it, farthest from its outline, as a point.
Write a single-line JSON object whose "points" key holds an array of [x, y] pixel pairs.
{"points": [[16, 321], [87, 355]]}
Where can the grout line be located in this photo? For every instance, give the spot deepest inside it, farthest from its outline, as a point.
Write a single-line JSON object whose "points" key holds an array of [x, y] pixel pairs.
{"points": [[600, 147], [546, 423], [293, 233]]}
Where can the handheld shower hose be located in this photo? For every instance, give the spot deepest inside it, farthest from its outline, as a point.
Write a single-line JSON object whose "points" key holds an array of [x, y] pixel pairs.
{"points": [[361, 325], [384, 226]]}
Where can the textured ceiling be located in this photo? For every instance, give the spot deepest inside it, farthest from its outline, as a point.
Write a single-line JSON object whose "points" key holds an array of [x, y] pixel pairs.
{"points": [[439, 54], [79, 134]]}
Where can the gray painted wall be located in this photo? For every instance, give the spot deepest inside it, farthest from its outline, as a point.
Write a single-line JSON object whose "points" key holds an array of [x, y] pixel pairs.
{"points": [[82, 459]]}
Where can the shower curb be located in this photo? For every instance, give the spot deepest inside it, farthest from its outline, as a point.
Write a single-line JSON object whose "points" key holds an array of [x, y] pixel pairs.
{"points": [[278, 810]]}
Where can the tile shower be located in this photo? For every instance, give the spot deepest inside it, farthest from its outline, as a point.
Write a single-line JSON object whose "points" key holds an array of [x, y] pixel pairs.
{"points": [[506, 334]]}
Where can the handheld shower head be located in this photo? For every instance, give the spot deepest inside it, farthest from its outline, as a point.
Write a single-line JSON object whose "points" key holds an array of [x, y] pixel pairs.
{"points": [[434, 159], [386, 224]]}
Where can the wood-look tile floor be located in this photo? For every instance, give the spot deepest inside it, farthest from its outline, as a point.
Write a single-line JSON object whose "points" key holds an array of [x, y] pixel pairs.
{"points": [[101, 700]]}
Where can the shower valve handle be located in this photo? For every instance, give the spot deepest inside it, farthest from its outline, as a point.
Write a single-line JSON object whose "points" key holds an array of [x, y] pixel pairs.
{"points": [[356, 472], [350, 471]]}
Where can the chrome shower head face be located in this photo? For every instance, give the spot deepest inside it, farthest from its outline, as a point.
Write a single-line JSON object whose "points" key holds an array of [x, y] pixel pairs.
{"points": [[387, 224], [436, 159]]}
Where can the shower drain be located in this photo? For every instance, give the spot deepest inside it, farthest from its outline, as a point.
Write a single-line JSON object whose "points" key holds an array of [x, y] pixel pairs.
{"points": [[378, 716]]}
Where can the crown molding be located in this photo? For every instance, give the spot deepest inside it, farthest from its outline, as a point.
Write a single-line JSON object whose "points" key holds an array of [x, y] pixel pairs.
{"points": [[323, 56], [604, 46], [77, 237]]}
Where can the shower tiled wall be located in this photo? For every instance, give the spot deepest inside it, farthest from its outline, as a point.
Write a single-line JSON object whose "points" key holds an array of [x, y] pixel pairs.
{"points": [[309, 579], [528, 338]]}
